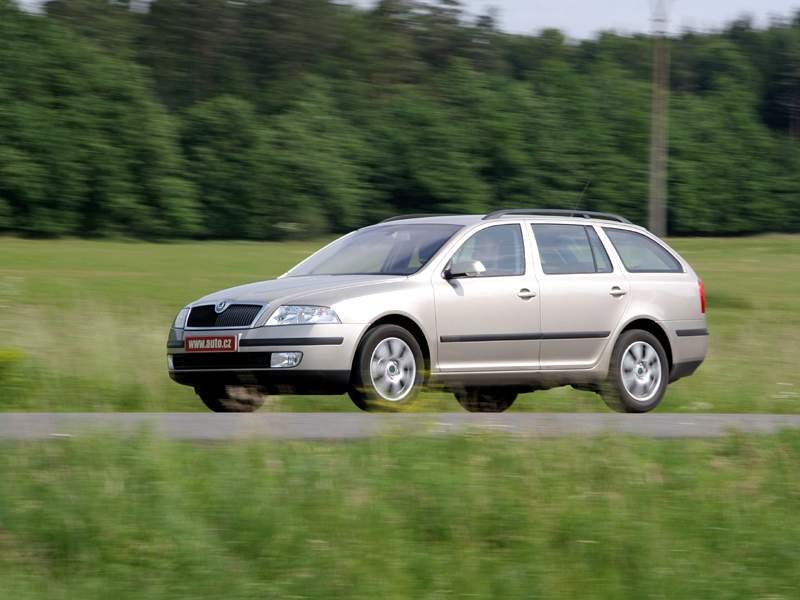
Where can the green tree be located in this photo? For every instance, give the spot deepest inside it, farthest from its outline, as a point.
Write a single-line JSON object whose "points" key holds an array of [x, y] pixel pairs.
{"points": [[84, 148], [268, 118], [721, 186], [226, 150], [319, 165], [108, 23], [190, 47], [423, 158]]}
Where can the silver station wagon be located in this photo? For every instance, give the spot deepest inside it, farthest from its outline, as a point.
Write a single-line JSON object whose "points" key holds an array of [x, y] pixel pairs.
{"points": [[484, 306]]}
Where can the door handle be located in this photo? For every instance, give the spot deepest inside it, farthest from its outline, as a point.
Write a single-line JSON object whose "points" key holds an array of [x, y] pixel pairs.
{"points": [[526, 294], [617, 292]]}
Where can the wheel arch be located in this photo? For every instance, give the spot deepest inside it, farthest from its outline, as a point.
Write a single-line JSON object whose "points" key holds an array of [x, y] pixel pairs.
{"points": [[654, 327], [409, 325]]}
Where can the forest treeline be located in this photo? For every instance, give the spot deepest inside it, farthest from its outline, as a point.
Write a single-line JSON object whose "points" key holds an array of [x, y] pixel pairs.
{"points": [[265, 119]]}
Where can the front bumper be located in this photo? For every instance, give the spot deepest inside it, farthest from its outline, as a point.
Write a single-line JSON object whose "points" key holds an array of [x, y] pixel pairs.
{"points": [[328, 352], [273, 381]]}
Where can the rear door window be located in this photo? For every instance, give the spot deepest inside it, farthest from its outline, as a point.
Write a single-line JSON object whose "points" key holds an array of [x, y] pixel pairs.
{"points": [[640, 254], [570, 249]]}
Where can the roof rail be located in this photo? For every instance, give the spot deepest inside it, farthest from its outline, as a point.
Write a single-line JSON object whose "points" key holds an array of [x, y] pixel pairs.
{"points": [[553, 212], [414, 216]]}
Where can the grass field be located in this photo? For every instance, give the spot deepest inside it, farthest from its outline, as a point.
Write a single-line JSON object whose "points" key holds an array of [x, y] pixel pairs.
{"points": [[453, 517], [83, 324]]}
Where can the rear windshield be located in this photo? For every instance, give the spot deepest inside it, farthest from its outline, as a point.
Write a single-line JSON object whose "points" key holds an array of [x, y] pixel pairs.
{"points": [[381, 250]]}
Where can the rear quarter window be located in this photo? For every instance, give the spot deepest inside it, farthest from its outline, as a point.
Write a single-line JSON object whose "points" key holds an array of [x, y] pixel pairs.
{"points": [[640, 254]]}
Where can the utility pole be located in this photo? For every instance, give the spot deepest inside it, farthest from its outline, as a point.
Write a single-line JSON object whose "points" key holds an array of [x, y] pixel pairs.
{"points": [[659, 141]]}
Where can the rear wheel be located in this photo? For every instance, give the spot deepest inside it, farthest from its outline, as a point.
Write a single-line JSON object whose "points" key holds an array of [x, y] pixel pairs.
{"points": [[388, 370], [638, 374], [230, 399], [486, 400]]}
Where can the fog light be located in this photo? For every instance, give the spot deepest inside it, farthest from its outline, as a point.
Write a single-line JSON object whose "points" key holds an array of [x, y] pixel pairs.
{"points": [[285, 360], [170, 364]]}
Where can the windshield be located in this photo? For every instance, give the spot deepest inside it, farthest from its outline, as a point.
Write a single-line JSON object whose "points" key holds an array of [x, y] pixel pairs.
{"points": [[383, 250]]}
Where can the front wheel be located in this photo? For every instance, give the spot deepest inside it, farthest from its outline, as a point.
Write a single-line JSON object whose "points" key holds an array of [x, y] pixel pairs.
{"points": [[638, 374], [388, 370], [486, 400]]}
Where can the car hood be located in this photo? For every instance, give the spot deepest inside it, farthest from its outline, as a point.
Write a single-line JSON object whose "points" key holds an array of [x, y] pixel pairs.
{"points": [[292, 288]]}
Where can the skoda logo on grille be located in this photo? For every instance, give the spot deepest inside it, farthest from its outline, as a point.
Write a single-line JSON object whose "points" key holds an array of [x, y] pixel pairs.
{"points": [[221, 307]]}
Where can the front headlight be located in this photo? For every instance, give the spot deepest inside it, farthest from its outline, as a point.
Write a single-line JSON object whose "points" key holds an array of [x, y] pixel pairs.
{"points": [[180, 320], [303, 315]]}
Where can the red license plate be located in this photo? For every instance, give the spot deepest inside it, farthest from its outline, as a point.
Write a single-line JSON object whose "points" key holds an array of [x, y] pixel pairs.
{"points": [[210, 343]]}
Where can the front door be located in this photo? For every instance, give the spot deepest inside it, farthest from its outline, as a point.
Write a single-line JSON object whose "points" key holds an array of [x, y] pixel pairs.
{"points": [[489, 321]]}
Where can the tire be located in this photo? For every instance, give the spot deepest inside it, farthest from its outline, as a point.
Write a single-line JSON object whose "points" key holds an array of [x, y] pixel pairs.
{"points": [[486, 400], [387, 371], [638, 374], [223, 399]]}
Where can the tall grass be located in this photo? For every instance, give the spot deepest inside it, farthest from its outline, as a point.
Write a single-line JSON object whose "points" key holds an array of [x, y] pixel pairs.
{"points": [[453, 517], [86, 323]]}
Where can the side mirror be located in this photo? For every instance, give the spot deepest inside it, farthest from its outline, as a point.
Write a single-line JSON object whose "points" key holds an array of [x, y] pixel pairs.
{"points": [[470, 268]]}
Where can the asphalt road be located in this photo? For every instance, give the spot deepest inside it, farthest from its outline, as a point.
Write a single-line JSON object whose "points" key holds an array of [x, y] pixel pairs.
{"points": [[344, 426]]}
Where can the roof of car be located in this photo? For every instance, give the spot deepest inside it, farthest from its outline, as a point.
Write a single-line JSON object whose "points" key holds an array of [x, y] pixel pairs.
{"points": [[442, 219], [543, 215]]}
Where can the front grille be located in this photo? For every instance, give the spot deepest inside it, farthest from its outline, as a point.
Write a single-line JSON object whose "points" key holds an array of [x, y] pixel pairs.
{"points": [[221, 360], [236, 315]]}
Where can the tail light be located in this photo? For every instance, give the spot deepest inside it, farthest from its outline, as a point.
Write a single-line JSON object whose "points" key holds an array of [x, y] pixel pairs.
{"points": [[702, 290]]}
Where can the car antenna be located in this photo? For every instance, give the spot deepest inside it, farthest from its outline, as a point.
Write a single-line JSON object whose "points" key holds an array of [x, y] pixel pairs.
{"points": [[579, 201]]}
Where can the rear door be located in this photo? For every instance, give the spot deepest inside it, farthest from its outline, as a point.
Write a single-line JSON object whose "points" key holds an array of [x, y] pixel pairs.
{"points": [[490, 322], [583, 294]]}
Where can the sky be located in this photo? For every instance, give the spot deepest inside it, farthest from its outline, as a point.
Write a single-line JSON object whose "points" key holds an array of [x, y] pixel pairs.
{"points": [[581, 19]]}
